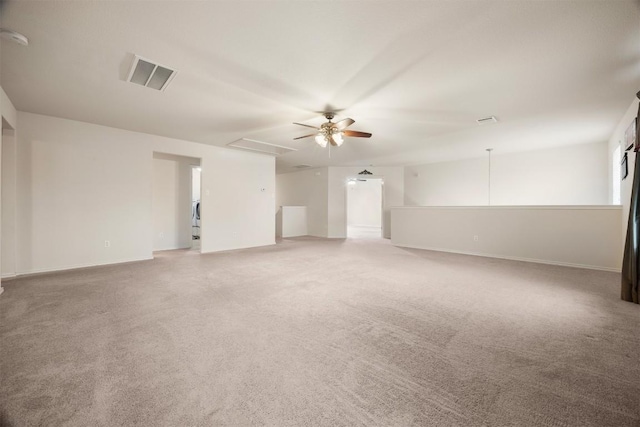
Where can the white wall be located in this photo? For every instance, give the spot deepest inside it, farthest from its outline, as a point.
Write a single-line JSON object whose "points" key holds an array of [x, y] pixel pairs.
{"points": [[80, 184], [9, 114], [626, 185], [306, 188], [584, 236], [574, 175], [292, 221], [393, 195], [195, 188], [172, 201], [9, 203], [364, 203], [324, 192], [456, 183], [8, 111]]}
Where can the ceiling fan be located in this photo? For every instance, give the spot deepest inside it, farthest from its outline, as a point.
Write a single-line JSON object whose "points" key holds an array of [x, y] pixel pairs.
{"points": [[333, 133]]}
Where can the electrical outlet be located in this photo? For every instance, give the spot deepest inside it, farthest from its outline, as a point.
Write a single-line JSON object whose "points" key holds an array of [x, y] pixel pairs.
{"points": [[107, 244], [475, 238]]}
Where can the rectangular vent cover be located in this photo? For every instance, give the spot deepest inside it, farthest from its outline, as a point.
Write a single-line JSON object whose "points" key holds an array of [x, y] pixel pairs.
{"points": [[259, 146], [487, 120], [147, 73], [302, 166]]}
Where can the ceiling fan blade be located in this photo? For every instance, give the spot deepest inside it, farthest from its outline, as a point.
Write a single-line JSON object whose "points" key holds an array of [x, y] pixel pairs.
{"points": [[306, 136], [332, 141], [343, 124], [302, 124], [356, 133]]}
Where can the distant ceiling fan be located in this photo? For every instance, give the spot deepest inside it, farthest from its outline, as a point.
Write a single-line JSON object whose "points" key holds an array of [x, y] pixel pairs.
{"points": [[333, 133]]}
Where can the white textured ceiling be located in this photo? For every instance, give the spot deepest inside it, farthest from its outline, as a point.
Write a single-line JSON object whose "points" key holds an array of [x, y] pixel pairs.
{"points": [[414, 73]]}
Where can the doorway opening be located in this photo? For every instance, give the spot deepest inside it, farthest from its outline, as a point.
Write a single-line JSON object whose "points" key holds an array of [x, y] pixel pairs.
{"points": [[174, 179], [364, 208], [196, 172]]}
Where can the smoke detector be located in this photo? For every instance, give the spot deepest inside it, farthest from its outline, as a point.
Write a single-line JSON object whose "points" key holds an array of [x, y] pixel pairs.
{"points": [[150, 74], [14, 37]]}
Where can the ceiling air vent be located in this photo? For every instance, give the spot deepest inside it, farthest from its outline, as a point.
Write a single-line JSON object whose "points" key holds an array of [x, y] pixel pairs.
{"points": [[148, 73], [487, 120], [259, 146], [302, 166]]}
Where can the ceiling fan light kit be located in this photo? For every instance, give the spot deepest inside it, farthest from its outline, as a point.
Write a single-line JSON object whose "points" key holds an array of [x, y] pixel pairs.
{"points": [[333, 133], [321, 140], [328, 133]]}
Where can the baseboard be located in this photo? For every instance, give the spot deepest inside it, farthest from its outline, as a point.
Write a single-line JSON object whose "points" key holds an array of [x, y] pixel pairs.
{"points": [[79, 266], [8, 276], [172, 249], [510, 258], [238, 248]]}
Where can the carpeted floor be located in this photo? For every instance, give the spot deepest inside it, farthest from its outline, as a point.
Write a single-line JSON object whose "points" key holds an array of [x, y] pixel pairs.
{"points": [[364, 232], [316, 332]]}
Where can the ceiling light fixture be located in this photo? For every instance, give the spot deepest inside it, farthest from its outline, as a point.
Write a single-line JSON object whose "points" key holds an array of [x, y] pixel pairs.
{"points": [[337, 137], [332, 133], [321, 140], [14, 37], [329, 134]]}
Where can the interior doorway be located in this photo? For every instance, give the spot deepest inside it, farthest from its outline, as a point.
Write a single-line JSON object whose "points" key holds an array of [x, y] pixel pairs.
{"points": [[196, 173], [174, 179], [364, 207]]}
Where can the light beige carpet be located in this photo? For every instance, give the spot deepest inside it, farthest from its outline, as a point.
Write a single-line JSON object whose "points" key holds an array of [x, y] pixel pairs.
{"points": [[315, 332]]}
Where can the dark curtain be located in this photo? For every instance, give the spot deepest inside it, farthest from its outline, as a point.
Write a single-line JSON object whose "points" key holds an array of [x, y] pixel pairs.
{"points": [[631, 261]]}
